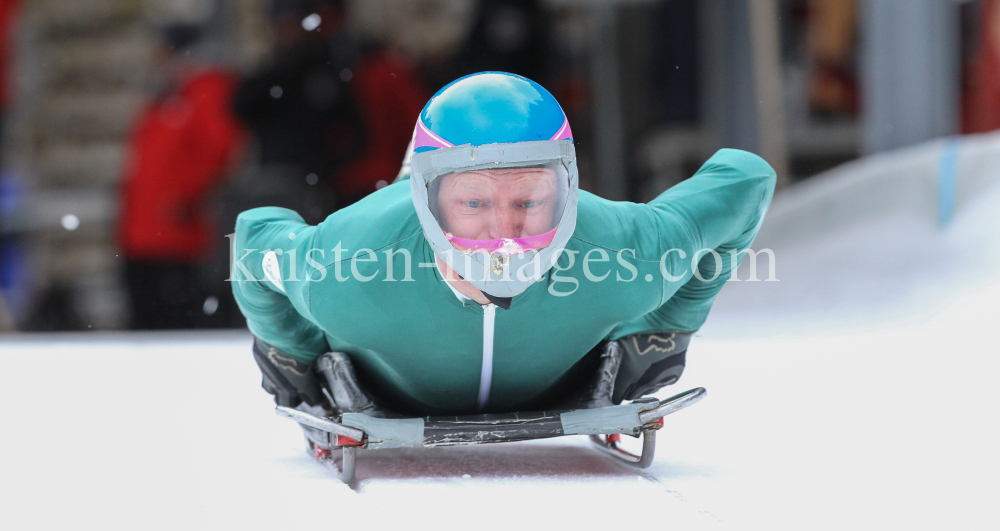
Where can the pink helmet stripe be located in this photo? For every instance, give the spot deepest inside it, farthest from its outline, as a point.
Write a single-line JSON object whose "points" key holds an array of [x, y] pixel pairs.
{"points": [[564, 132], [424, 137]]}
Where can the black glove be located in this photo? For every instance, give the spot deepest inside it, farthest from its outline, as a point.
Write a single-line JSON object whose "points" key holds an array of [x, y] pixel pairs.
{"points": [[346, 393], [290, 381], [649, 363]]}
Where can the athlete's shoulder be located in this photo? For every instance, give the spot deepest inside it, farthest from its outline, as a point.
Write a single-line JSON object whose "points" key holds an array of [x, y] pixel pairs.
{"points": [[382, 218], [257, 217], [608, 224], [738, 161]]}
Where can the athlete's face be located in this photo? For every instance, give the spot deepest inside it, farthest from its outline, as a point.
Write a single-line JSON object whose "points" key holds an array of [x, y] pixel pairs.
{"points": [[503, 203]]}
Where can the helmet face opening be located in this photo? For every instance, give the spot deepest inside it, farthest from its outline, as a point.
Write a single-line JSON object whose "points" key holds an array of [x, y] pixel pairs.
{"points": [[506, 210]]}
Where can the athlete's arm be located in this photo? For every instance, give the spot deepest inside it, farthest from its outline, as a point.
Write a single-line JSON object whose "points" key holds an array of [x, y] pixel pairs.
{"points": [[720, 208], [277, 312]]}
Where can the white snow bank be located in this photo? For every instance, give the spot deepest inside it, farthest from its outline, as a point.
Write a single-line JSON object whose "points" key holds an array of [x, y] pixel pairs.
{"points": [[861, 246], [900, 183]]}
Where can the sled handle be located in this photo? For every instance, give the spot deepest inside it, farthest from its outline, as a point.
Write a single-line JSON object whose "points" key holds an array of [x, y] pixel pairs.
{"points": [[319, 423], [673, 405]]}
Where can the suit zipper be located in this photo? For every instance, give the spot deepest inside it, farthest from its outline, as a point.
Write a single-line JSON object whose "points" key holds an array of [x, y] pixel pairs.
{"points": [[486, 375]]}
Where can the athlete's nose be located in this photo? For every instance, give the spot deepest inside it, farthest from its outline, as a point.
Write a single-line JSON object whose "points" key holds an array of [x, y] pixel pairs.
{"points": [[508, 223]]}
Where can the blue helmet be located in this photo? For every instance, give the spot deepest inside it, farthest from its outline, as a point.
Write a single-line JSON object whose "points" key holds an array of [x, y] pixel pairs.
{"points": [[494, 122], [490, 108]]}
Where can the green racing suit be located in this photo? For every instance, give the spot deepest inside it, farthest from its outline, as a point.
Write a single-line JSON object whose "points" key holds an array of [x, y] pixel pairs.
{"points": [[365, 282]]}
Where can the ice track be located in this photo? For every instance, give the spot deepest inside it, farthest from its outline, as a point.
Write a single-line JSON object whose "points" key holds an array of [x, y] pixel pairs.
{"points": [[851, 394], [191, 441]]}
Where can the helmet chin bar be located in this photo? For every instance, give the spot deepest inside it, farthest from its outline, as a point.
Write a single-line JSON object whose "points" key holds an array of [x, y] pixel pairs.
{"points": [[493, 273], [496, 264], [498, 274], [499, 263]]}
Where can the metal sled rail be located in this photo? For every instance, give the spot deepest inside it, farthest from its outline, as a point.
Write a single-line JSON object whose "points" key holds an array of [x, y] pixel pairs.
{"points": [[356, 430]]}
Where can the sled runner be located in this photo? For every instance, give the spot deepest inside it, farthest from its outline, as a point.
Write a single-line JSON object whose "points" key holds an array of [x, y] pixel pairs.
{"points": [[353, 431]]}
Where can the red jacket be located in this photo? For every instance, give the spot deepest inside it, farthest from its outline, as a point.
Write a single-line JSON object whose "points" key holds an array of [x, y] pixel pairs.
{"points": [[181, 146], [8, 14], [981, 101]]}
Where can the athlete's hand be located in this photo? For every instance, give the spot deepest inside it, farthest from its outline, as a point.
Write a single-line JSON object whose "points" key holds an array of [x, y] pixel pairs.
{"points": [[290, 381], [649, 363]]}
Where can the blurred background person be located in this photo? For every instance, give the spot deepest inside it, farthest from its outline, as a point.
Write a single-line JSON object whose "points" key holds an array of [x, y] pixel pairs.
{"points": [[506, 36], [331, 115], [981, 102], [8, 14], [181, 147], [8, 249], [831, 42]]}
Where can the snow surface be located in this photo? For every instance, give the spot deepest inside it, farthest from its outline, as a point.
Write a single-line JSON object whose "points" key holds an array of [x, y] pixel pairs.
{"points": [[859, 391]]}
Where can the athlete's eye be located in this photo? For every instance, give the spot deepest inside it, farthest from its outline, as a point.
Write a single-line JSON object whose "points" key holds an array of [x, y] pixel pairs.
{"points": [[530, 204], [473, 204]]}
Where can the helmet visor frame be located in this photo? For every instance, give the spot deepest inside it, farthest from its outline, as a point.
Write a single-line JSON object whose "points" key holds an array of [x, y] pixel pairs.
{"points": [[497, 273], [498, 193]]}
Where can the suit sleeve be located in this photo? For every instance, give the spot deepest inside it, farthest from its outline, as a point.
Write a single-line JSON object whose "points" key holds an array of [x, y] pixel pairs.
{"points": [[719, 209], [276, 312]]}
